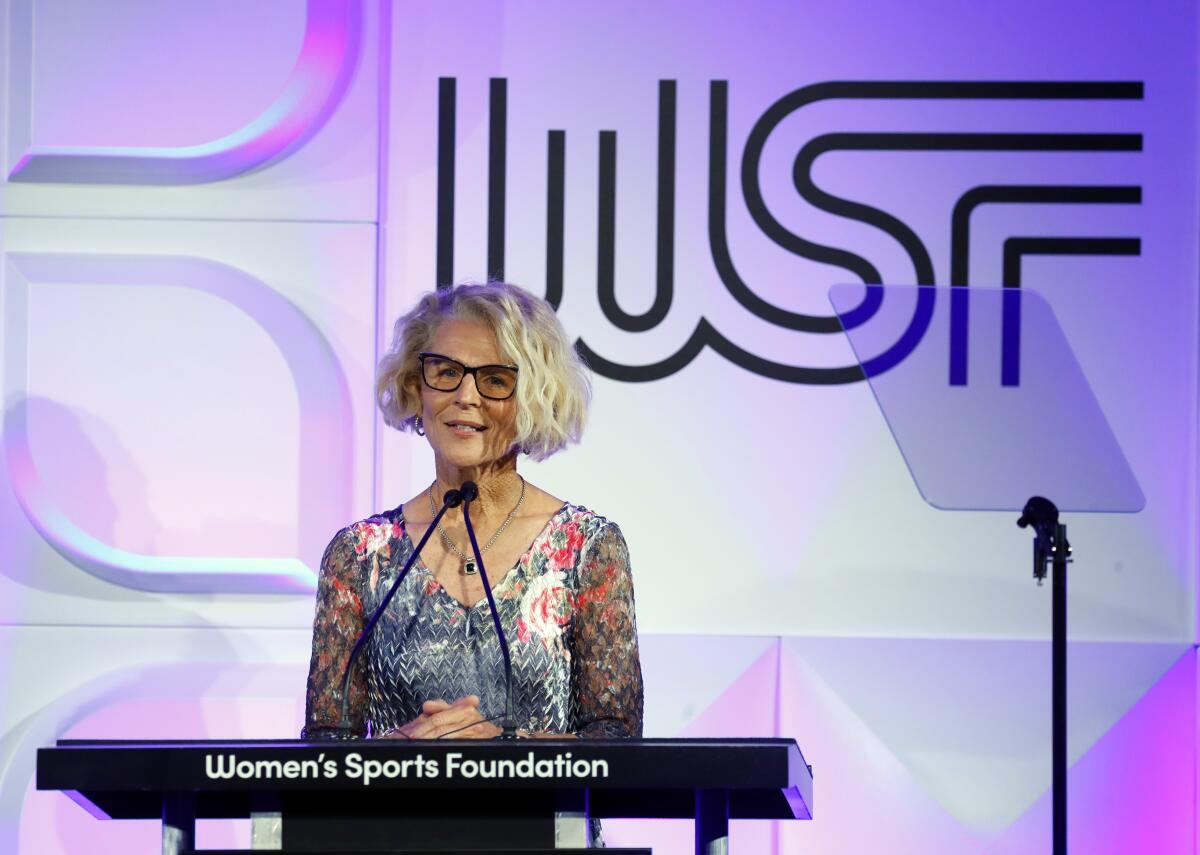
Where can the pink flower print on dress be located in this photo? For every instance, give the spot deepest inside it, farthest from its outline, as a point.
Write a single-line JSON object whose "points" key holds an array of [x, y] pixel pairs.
{"points": [[563, 544], [375, 538], [559, 560], [545, 610]]}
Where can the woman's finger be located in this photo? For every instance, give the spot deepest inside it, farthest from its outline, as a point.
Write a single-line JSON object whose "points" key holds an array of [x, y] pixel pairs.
{"points": [[437, 727], [461, 720], [422, 728], [439, 717], [455, 716], [481, 730]]}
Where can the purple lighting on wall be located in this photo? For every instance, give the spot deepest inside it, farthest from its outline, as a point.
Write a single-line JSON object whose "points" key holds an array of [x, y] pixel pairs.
{"points": [[313, 90]]}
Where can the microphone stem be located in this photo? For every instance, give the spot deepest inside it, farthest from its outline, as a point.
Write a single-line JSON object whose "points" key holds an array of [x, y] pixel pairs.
{"points": [[508, 726], [344, 725]]}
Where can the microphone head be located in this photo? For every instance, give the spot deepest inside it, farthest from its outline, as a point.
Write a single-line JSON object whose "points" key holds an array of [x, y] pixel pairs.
{"points": [[1038, 512], [470, 491], [452, 499]]}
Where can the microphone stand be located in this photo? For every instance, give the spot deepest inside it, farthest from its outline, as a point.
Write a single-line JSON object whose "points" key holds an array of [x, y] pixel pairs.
{"points": [[508, 726], [1050, 546], [452, 499]]}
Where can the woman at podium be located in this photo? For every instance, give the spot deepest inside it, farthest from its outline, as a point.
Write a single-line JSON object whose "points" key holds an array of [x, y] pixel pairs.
{"points": [[486, 374]]}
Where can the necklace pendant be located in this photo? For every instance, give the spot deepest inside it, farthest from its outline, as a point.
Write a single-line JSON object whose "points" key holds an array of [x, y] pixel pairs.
{"points": [[469, 568]]}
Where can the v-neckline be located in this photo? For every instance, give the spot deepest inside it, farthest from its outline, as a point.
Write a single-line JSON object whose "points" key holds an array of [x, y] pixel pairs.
{"points": [[419, 564]]}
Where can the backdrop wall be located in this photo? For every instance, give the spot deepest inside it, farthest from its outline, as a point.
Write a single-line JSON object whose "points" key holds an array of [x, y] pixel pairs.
{"points": [[213, 213]]}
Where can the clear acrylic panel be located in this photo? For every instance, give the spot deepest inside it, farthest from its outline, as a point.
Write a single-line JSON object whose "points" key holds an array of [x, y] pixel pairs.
{"points": [[985, 398]]}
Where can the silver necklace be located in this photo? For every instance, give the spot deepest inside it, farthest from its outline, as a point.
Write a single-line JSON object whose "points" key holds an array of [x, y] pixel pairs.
{"points": [[468, 562]]}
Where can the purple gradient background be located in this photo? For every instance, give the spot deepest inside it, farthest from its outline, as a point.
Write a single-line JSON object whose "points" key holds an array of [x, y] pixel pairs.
{"points": [[290, 150]]}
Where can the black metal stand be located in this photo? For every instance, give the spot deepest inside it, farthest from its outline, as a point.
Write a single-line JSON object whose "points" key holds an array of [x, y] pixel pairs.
{"points": [[1050, 546], [178, 822], [712, 822]]}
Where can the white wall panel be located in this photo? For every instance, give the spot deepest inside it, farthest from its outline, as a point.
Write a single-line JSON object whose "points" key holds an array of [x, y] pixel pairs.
{"points": [[132, 683], [192, 110], [195, 400]]}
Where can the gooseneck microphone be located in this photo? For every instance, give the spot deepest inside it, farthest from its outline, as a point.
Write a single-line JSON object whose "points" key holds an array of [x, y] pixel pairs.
{"points": [[508, 725], [452, 499], [1048, 534]]}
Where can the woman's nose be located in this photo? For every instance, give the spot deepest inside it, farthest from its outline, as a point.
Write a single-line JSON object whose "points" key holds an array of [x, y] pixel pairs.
{"points": [[468, 392]]}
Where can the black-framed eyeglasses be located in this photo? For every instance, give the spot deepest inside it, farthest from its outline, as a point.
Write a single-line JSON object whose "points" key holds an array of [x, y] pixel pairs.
{"points": [[497, 382]]}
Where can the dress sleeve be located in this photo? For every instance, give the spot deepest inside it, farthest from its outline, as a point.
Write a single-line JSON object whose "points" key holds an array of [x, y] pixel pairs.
{"points": [[338, 623], [606, 672]]}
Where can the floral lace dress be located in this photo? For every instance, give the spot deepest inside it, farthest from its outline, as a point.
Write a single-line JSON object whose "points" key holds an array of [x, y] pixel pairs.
{"points": [[566, 607]]}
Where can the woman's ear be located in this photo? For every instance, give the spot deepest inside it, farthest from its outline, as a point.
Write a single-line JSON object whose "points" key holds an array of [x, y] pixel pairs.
{"points": [[411, 386]]}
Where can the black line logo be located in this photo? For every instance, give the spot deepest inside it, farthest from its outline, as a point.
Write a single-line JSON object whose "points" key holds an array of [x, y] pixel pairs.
{"points": [[705, 334]]}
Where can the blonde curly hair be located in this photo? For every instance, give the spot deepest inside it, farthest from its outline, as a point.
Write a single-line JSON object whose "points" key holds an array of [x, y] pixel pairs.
{"points": [[553, 389]]}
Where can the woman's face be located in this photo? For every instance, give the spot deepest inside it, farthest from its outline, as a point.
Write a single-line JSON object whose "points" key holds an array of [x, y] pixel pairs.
{"points": [[465, 429]]}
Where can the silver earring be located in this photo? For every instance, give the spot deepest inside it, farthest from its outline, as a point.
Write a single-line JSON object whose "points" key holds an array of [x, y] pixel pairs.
{"points": [[418, 427]]}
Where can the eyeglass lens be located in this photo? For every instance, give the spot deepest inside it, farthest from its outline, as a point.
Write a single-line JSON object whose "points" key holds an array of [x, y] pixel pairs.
{"points": [[493, 381]]}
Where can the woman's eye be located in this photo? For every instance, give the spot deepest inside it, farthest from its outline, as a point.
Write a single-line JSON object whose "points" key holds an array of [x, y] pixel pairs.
{"points": [[448, 372]]}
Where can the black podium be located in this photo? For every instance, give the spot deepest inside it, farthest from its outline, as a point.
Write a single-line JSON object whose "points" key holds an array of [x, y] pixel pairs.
{"points": [[522, 796]]}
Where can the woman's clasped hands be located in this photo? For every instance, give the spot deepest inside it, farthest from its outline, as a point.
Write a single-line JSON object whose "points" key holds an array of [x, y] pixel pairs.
{"points": [[458, 720]]}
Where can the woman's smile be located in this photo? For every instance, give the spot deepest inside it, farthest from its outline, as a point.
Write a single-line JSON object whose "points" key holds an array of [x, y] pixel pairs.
{"points": [[466, 429]]}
